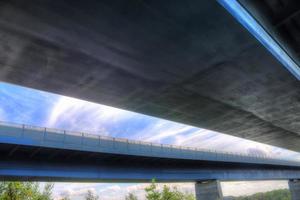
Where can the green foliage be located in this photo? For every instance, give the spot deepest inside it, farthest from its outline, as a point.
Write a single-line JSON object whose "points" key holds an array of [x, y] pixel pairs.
{"points": [[24, 191], [66, 198], [47, 192], [131, 196], [91, 196], [283, 194], [152, 193]]}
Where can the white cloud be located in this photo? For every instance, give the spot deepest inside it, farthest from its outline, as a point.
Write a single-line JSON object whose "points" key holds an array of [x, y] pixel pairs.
{"points": [[24, 105], [74, 114], [76, 191], [180, 134], [110, 191], [250, 187], [2, 115], [118, 191], [163, 129]]}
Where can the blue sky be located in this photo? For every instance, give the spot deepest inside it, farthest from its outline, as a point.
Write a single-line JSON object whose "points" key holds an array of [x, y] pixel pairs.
{"points": [[28, 106]]}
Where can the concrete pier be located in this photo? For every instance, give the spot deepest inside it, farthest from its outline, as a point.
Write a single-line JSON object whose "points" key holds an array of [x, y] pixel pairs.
{"points": [[294, 186], [208, 190]]}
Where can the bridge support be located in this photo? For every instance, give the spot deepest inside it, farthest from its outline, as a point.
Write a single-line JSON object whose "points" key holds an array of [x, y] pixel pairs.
{"points": [[294, 186], [208, 190]]}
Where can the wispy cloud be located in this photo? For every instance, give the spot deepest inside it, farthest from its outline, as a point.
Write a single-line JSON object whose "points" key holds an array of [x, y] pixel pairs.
{"points": [[74, 114], [2, 115], [163, 131], [24, 105]]}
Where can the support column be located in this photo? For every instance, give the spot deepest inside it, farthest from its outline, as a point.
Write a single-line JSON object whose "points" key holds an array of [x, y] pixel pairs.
{"points": [[208, 190], [294, 186]]}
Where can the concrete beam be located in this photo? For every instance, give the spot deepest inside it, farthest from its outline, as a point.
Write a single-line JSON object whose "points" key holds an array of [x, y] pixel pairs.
{"points": [[294, 186], [209, 190], [223, 82]]}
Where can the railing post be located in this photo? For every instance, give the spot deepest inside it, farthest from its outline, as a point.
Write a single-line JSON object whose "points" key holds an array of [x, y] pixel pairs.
{"points": [[64, 141], [180, 150], [114, 141], [44, 136], [82, 137], [140, 146], [23, 127], [216, 154]]}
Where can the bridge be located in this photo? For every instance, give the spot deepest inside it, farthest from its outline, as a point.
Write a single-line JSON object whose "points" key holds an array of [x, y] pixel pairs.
{"points": [[195, 62], [163, 59], [44, 154]]}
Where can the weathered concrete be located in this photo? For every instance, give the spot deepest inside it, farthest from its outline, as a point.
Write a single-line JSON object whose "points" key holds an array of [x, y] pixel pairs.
{"points": [[187, 61], [294, 186], [209, 190]]}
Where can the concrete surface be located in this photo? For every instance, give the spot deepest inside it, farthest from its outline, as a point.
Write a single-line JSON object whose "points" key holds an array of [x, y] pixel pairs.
{"points": [[281, 19], [187, 61], [209, 190], [294, 186]]}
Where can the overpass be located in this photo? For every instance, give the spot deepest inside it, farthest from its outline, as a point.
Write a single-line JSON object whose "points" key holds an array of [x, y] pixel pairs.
{"points": [[43, 154], [186, 61]]}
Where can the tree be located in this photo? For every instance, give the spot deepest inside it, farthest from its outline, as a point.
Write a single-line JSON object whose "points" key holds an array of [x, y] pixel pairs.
{"points": [[152, 193], [47, 192], [66, 197], [131, 196], [24, 191], [281, 194], [91, 196]]}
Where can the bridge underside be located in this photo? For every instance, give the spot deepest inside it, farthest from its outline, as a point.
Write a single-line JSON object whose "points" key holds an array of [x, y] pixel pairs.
{"points": [[21, 162], [187, 61]]}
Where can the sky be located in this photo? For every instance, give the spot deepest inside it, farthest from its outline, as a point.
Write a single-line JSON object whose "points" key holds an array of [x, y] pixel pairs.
{"points": [[27, 106]]}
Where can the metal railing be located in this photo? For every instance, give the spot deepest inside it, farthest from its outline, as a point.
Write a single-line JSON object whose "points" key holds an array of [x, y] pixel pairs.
{"points": [[220, 154]]}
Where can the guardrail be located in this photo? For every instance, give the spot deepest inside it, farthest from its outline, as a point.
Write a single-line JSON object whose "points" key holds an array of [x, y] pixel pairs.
{"points": [[153, 146]]}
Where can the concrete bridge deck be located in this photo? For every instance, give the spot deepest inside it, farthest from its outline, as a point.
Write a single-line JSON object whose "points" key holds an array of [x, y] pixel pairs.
{"points": [[37, 153], [186, 61]]}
